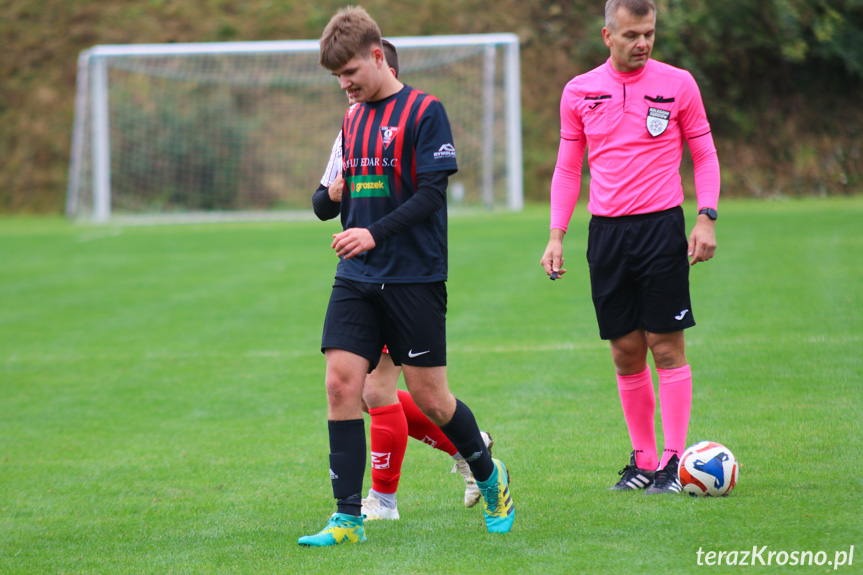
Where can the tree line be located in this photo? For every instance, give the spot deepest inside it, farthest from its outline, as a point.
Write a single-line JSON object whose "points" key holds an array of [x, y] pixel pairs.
{"points": [[782, 80]]}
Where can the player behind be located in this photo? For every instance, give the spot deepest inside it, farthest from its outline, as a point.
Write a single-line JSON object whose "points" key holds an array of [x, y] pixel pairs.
{"points": [[634, 115], [390, 281], [393, 419]]}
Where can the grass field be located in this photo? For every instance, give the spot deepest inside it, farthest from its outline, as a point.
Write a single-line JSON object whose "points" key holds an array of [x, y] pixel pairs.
{"points": [[162, 406]]}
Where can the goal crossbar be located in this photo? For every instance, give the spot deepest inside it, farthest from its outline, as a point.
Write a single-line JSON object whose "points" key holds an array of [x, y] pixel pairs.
{"points": [[93, 148]]}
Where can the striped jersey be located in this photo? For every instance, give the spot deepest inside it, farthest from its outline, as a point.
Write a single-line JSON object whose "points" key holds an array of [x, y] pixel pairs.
{"points": [[386, 144]]}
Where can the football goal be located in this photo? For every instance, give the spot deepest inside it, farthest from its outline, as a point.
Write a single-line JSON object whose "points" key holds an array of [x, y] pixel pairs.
{"points": [[243, 130]]}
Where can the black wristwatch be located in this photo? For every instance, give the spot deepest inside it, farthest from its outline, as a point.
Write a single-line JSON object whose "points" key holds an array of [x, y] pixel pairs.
{"points": [[709, 212]]}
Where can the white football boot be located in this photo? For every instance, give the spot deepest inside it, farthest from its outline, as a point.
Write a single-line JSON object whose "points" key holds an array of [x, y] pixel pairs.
{"points": [[374, 508], [472, 494]]}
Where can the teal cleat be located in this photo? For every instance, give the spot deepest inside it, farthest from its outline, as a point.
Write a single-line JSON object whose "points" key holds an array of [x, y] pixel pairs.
{"points": [[499, 509], [340, 528]]}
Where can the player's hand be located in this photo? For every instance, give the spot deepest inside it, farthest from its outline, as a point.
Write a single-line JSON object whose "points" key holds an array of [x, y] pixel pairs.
{"points": [[335, 190], [352, 242], [702, 240], [552, 259]]}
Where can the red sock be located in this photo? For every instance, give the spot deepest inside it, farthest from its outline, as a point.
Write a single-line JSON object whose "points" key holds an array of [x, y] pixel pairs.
{"points": [[675, 400], [389, 439], [421, 427], [639, 405]]}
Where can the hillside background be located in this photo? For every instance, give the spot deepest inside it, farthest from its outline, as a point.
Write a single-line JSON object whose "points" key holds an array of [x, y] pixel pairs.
{"points": [[782, 79]]}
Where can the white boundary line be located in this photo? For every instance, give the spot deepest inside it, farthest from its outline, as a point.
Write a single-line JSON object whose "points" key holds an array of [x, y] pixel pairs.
{"points": [[456, 350]]}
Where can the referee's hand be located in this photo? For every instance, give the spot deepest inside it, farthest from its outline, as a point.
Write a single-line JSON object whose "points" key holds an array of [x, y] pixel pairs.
{"points": [[552, 259], [702, 240]]}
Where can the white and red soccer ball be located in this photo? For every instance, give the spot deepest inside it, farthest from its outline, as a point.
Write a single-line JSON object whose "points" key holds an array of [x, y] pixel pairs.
{"points": [[708, 469]]}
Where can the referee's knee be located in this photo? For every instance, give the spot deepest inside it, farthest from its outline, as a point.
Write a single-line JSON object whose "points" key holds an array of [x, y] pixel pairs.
{"points": [[668, 352]]}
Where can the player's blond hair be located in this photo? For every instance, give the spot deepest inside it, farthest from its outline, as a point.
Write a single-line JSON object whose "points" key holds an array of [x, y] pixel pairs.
{"points": [[639, 8], [351, 32]]}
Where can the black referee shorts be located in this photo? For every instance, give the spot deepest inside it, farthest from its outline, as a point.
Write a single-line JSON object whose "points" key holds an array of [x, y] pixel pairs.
{"points": [[410, 319], [639, 273]]}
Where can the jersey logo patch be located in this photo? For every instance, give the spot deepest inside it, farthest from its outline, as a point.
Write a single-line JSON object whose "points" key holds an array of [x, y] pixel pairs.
{"points": [[369, 186], [381, 460], [657, 121], [445, 151], [388, 134]]}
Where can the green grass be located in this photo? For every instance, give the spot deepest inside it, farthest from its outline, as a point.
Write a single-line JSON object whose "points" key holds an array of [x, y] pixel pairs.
{"points": [[162, 406]]}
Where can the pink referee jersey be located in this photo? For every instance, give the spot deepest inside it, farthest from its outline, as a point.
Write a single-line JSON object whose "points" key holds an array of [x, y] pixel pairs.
{"points": [[634, 126]]}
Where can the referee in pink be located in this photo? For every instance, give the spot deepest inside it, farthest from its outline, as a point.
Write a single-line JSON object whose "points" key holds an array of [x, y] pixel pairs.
{"points": [[634, 114]]}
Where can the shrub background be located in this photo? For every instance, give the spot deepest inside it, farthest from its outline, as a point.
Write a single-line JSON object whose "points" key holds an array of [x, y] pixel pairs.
{"points": [[782, 79]]}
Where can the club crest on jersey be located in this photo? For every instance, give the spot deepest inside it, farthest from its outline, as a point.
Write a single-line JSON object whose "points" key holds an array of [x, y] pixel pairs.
{"points": [[657, 121], [388, 134]]}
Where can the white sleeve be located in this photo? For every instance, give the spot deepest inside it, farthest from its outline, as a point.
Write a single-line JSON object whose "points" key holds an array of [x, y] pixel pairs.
{"points": [[334, 166]]}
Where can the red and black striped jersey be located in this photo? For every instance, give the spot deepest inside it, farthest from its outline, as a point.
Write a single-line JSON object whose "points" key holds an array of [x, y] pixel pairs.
{"points": [[386, 144]]}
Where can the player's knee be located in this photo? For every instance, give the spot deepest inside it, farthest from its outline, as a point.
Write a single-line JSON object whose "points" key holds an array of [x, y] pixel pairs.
{"points": [[668, 356], [370, 397], [428, 405], [438, 408], [341, 387], [379, 396]]}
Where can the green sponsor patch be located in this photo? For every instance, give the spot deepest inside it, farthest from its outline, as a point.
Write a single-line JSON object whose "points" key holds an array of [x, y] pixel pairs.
{"points": [[369, 186]]}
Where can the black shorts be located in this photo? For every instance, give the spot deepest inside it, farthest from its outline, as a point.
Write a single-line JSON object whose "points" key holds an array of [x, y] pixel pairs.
{"points": [[410, 319], [639, 273]]}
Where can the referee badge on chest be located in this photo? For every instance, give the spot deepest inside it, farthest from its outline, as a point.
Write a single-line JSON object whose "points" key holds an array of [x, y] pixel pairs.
{"points": [[657, 121]]}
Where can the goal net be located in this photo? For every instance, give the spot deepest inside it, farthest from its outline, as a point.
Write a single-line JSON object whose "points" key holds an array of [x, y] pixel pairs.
{"points": [[244, 130]]}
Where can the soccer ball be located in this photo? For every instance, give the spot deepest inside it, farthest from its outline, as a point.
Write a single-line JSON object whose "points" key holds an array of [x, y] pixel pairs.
{"points": [[708, 469]]}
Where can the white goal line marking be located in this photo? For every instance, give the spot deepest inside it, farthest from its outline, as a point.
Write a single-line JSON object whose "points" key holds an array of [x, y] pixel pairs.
{"points": [[454, 349]]}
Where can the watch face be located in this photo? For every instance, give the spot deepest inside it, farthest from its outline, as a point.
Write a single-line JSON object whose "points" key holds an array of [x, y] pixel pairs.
{"points": [[709, 212]]}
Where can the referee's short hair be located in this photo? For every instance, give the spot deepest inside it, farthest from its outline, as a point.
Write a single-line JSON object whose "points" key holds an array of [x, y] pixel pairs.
{"points": [[639, 8]]}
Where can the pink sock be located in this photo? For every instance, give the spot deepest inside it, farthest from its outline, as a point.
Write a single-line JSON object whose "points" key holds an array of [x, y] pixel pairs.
{"points": [[639, 405], [675, 399]]}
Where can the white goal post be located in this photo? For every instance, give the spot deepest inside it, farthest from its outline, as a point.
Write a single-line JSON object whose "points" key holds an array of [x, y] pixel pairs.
{"points": [[238, 130]]}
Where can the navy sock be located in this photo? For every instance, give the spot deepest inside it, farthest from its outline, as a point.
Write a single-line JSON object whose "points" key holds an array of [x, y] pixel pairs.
{"points": [[463, 432], [348, 464]]}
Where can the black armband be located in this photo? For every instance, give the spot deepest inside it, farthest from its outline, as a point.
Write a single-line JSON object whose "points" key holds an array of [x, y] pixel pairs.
{"points": [[325, 208], [429, 198]]}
